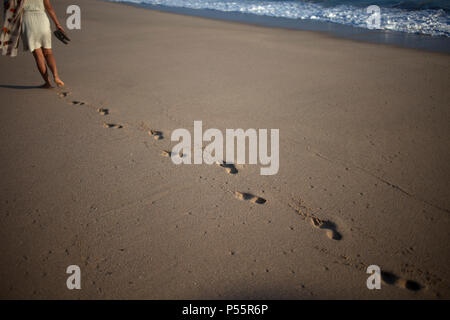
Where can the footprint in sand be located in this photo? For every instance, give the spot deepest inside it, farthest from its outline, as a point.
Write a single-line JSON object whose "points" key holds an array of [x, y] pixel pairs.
{"points": [[392, 279], [64, 94], [229, 167], [250, 197], [157, 135], [329, 226], [79, 103], [166, 153], [102, 111], [112, 126]]}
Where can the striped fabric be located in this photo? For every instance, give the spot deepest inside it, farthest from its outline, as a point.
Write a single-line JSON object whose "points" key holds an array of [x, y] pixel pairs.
{"points": [[12, 28]]}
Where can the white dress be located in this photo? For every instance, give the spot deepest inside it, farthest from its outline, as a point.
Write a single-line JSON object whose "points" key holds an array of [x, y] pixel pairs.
{"points": [[36, 26]]}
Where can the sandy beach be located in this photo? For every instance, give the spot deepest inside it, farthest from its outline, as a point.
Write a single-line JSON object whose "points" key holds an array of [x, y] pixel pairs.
{"points": [[363, 178]]}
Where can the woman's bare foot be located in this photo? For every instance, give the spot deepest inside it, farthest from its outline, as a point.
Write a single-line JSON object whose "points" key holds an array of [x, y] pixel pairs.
{"points": [[46, 86], [59, 82]]}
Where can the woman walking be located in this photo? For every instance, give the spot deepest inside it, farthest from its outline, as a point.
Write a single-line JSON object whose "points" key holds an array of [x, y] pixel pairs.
{"points": [[27, 18]]}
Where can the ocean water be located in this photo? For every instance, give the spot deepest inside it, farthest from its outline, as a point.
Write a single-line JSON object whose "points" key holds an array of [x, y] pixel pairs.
{"points": [[428, 17]]}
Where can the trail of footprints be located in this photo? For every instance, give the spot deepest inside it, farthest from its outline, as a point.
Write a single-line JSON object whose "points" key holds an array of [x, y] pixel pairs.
{"points": [[101, 111], [230, 168], [158, 135], [330, 228]]}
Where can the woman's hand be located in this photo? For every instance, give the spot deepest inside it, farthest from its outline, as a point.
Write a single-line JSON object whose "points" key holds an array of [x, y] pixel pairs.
{"points": [[59, 27]]}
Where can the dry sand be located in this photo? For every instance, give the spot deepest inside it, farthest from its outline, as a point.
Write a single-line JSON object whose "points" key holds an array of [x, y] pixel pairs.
{"points": [[364, 164]]}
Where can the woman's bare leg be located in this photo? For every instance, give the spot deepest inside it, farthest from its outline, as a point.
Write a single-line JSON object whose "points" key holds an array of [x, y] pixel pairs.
{"points": [[48, 54], [42, 67]]}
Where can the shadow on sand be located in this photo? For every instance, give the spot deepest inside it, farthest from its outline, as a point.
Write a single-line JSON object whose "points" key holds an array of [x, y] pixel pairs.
{"points": [[19, 87]]}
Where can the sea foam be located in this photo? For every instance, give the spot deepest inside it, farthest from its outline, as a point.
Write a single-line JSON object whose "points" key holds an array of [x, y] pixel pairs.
{"points": [[435, 22]]}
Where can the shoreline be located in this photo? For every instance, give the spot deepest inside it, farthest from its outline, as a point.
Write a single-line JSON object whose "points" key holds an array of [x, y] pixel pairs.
{"points": [[399, 39]]}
